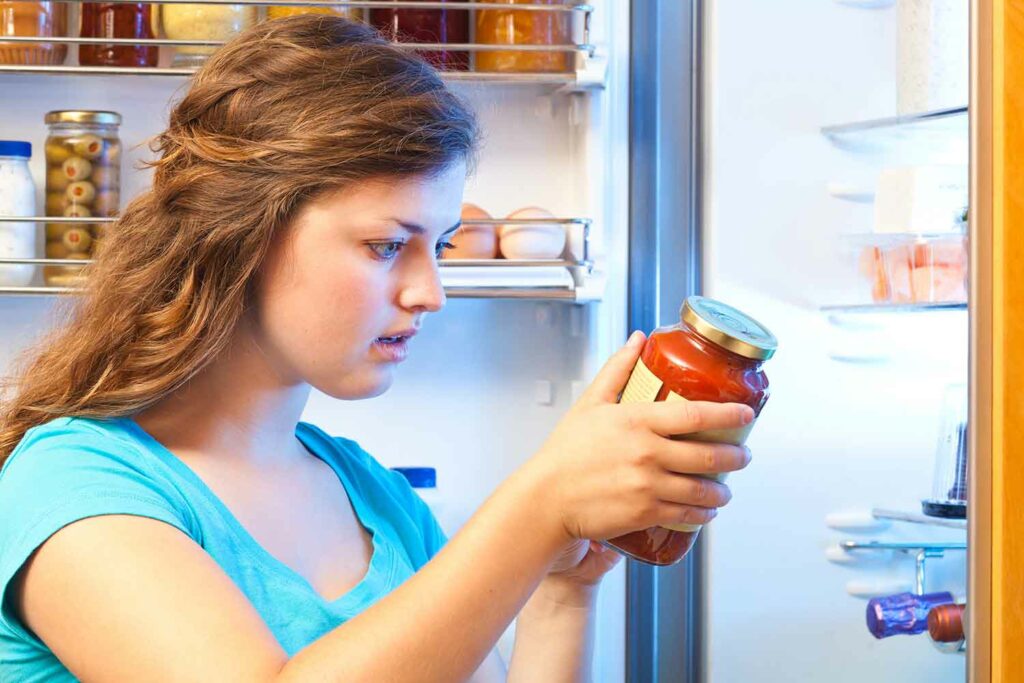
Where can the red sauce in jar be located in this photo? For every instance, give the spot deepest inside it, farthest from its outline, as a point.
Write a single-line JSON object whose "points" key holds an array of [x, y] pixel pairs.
{"points": [[715, 353], [428, 26], [116, 20]]}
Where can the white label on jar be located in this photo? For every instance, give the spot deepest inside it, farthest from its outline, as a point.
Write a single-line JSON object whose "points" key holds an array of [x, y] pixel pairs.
{"points": [[643, 385]]}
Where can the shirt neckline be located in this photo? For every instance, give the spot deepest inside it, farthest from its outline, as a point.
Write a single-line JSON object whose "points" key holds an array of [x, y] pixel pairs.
{"points": [[379, 570]]}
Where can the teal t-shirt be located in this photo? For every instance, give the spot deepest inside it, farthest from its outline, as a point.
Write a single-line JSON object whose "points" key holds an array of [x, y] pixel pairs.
{"points": [[73, 468]]}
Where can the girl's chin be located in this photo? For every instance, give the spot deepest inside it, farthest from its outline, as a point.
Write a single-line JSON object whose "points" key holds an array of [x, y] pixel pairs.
{"points": [[369, 385]]}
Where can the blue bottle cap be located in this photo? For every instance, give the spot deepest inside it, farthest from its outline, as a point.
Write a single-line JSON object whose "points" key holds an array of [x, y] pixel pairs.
{"points": [[15, 148], [419, 477]]}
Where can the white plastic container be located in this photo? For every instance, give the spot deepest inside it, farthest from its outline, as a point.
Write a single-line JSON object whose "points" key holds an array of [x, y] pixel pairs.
{"points": [[17, 198], [932, 65]]}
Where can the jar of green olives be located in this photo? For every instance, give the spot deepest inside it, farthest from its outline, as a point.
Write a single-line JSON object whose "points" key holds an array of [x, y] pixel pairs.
{"points": [[83, 179]]}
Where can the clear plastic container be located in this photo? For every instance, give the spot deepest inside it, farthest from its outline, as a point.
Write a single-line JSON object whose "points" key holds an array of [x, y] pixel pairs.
{"points": [[17, 198], [912, 269], [83, 179], [189, 21], [44, 19], [949, 487]]}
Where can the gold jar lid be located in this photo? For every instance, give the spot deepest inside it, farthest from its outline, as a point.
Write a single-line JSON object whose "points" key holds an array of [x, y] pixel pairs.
{"points": [[729, 328], [107, 118]]}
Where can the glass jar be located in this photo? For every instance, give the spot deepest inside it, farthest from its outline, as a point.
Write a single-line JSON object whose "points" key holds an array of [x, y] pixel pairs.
{"points": [[83, 179], [17, 198], [44, 19], [117, 20], [523, 27], [428, 26], [190, 21], [278, 11], [714, 353], [950, 482]]}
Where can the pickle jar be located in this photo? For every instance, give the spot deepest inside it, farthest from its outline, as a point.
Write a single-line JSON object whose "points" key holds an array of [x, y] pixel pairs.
{"points": [[83, 180], [715, 353], [194, 21]]}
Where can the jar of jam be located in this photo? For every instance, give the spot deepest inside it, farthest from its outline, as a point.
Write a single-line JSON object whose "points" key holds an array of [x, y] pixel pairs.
{"points": [[427, 26], [524, 27], [714, 353], [43, 19], [83, 179], [279, 11], [118, 20]]}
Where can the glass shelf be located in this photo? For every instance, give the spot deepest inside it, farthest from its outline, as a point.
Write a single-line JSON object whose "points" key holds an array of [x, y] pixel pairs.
{"points": [[943, 127], [872, 309]]}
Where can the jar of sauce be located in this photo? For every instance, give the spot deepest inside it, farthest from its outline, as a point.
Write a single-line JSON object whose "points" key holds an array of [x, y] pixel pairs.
{"points": [[427, 26], [118, 20], [714, 353], [279, 11], [43, 19], [523, 27]]}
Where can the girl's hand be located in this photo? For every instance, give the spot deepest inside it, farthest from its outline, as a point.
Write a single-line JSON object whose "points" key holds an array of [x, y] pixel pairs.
{"points": [[610, 468], [584, 563]]}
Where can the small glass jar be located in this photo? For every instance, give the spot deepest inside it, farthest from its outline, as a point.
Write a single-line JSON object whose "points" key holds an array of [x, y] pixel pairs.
{"points": [[715, 353], [278, 11], [17, 198], [118, 20], [190, 21], [83, 179], [44, 19], [523, 27], [428, 26]]}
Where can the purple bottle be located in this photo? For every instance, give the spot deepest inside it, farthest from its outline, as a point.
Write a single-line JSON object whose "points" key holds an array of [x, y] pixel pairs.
{"points": [[903, 613]]}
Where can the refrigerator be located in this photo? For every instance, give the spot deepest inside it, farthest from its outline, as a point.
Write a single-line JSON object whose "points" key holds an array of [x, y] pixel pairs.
{"points": [[698, 148]]}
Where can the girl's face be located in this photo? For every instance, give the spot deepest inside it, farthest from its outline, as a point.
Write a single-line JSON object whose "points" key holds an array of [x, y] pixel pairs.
{"points": [[352, 279]]}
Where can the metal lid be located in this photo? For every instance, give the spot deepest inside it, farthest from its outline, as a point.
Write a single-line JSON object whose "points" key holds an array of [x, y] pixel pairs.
{"points": [[729, 328], [82, 116]]}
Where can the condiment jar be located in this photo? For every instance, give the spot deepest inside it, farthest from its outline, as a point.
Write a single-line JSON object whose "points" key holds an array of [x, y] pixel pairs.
{"points": [[714, 353], [118, 20], [17, 198], [427, 26], [43, 19], [523, 27], [83, 179], [193, 21], [279, 11]]}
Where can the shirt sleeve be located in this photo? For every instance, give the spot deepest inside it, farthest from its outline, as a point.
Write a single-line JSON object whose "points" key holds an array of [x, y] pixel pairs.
{"points": [[417, 514], [60, 477]]}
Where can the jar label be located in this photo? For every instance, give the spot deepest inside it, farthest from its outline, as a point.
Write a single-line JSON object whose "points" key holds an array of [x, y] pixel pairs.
{"points": [[643, 387]]}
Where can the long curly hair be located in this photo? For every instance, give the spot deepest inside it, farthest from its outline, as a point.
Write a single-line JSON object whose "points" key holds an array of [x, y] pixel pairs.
{"points": [[287, 111]]}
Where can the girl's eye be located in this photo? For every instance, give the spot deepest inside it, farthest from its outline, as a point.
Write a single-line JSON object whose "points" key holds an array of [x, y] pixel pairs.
{"points": [[443, 247], [386, 251]]}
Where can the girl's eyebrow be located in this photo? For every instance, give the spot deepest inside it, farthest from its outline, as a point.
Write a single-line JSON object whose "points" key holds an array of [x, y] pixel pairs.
{"points": [[417, 229]]}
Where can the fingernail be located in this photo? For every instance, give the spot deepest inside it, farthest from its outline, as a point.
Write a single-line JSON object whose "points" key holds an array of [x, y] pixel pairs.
{"points": [[635, 338], [748, 415]]}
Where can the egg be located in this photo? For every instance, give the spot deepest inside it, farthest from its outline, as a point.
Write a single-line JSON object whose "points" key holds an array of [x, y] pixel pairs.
{"points": [[474, 241], [531, 241]]}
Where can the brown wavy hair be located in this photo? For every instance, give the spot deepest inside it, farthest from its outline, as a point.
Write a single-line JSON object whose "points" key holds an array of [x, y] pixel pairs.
{"points": [[288, 110]]}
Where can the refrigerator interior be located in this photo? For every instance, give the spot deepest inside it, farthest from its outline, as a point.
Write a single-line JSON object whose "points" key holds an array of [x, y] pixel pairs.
{"points": [[856, 395], [486, 379]]}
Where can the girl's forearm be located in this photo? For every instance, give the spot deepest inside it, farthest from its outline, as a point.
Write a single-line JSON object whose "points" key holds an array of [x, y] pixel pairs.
{"points": [[554, 634]]}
